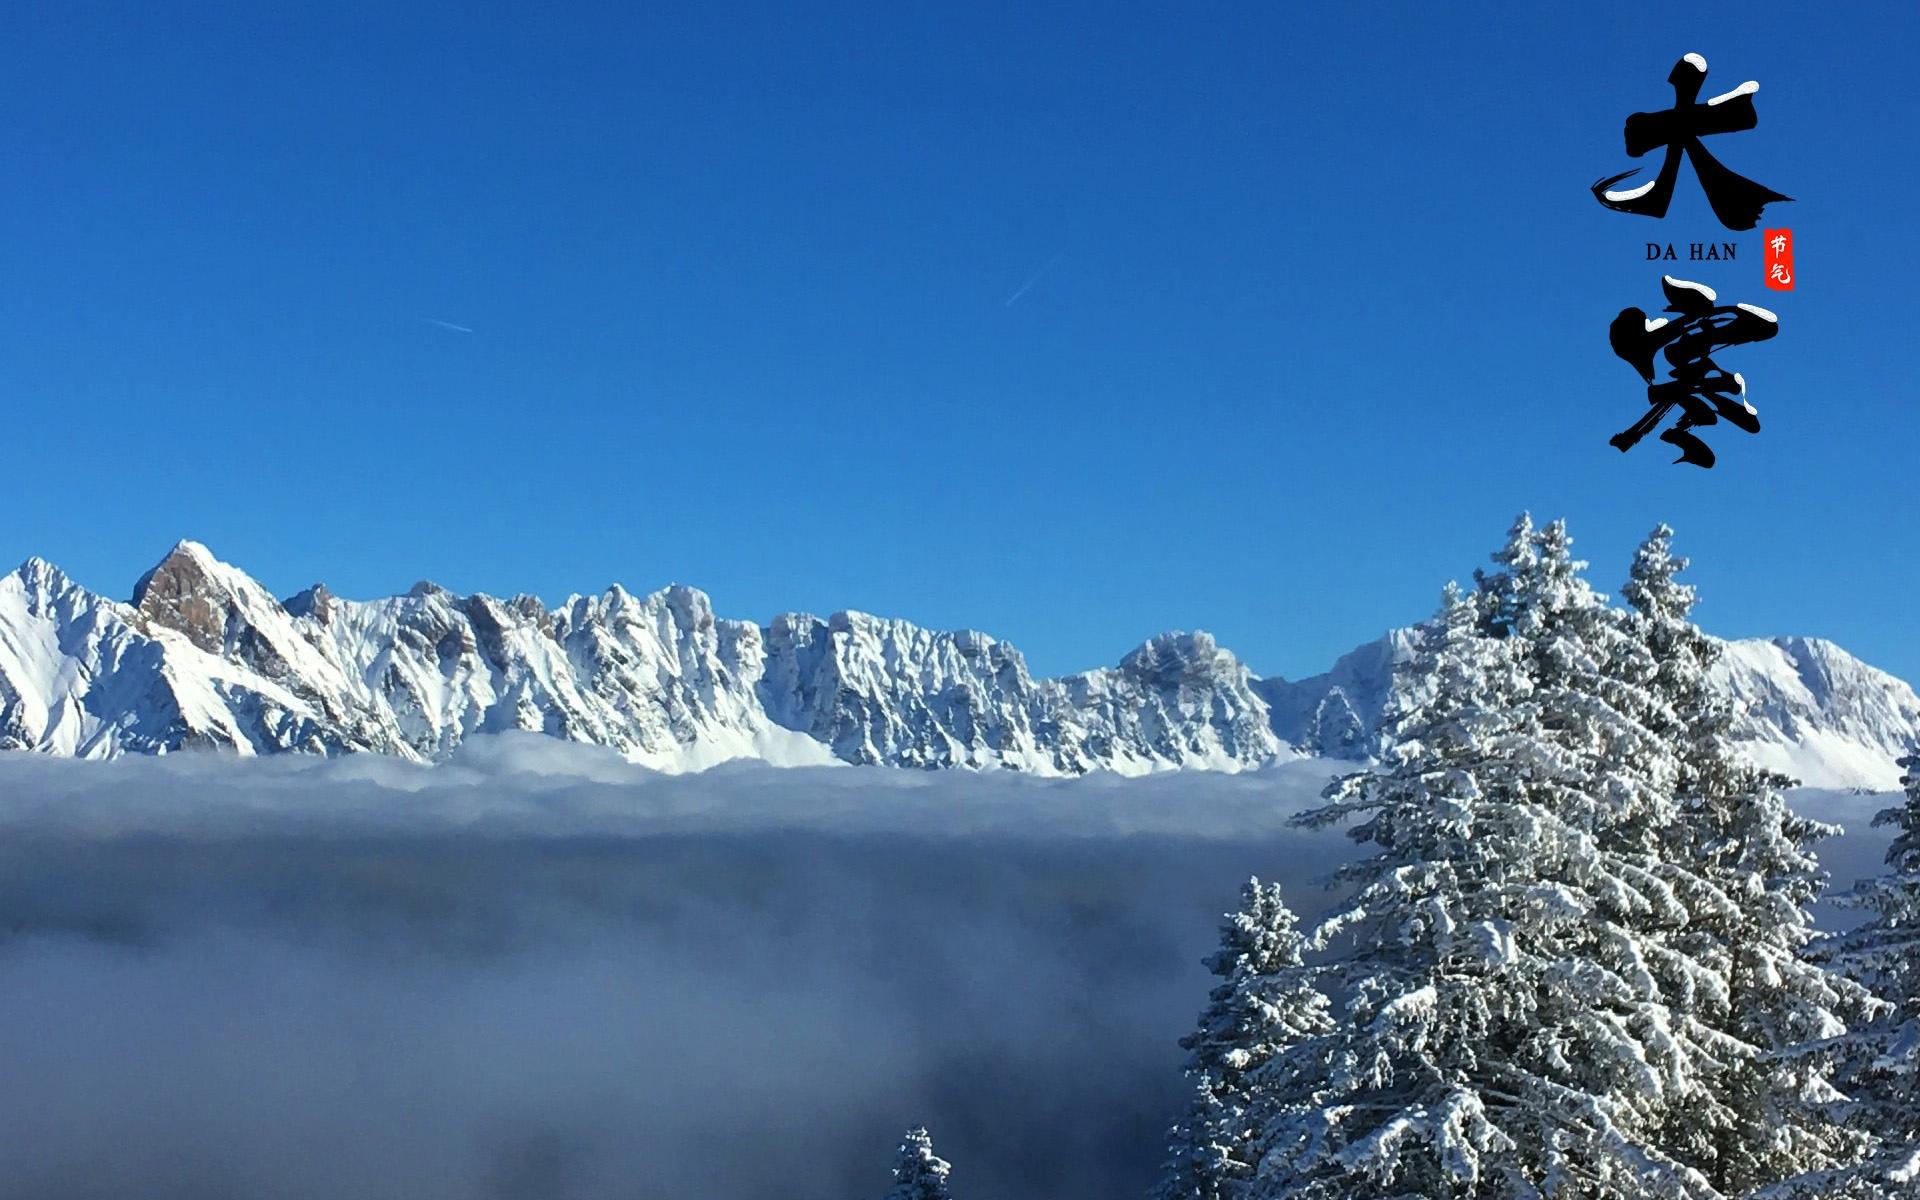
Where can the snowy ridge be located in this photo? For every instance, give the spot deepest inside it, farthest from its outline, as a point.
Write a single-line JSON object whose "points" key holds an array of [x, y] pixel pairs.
{"points": [[204, 657], [1337, 714], [1807, 708], [1818, 713]]}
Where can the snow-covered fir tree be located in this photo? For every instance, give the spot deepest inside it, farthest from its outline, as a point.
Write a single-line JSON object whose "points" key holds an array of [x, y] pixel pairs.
{"points": [[1502, 1030], [1547, 973], [1884, 953], [1882, 1059], [1265, 1000], [919, 1173], [1751, 880]]}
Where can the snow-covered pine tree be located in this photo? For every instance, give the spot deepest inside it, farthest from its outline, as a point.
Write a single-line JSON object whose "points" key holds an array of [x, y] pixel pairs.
{"points": [[1504, 1028], [1750, 880], [1265, 1000], [1884, 953], [1592, 684], [1882, 1059], [919, 1173]]}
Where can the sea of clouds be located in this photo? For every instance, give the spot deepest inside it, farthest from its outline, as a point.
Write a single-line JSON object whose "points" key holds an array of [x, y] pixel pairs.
{"points": [[538, 971]]}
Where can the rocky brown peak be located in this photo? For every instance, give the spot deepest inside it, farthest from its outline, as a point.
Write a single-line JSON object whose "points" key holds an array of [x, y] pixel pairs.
{"points": [[183, 593]]}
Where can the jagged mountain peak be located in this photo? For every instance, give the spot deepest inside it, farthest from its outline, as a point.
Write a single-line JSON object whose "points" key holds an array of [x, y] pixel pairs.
{"points": [[188, 549], [195, 594], [1817, 660], [689, 608], [1815, 711], [1175, 657], [187, 562], [184, 559], [38, 575], [904, 635], [692, 609]]}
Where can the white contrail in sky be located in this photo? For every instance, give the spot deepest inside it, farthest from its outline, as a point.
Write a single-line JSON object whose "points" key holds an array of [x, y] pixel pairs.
{"points": [[446, 324], [1033, 279]]}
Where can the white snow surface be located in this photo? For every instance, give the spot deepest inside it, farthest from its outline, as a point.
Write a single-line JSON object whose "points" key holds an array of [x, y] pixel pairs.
{"points": [[1632, 193], [1746, 89], [1690, 285], [204, 657]]}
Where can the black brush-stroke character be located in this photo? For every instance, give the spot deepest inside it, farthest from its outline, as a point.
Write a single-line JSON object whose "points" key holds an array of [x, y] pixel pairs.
{"points": [[1736, 200], [1695, 385]]}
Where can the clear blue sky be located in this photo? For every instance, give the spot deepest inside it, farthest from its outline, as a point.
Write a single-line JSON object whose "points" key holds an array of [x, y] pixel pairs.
{"points": [[1315, 300]]}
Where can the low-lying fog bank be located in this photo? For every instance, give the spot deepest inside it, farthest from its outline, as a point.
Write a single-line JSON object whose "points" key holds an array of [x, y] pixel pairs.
{"points": [[540, 972]]}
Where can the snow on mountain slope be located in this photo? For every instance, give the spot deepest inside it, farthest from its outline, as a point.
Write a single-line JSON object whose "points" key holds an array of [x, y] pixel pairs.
{"points": [[1337, 714], [85, 676], [204, 656], [882, 691], [1814, 711], [657, 678], [1178, 699], [225, 615]]}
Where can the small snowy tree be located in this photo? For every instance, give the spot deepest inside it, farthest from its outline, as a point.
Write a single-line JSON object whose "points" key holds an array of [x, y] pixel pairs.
{"points": [[1265, 1001], [919, 1173]]}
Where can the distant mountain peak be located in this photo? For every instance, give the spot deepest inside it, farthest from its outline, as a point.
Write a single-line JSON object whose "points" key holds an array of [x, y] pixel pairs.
{"points": [[1171, 657], [39, 574], [188, 548], [191, 592], [313, 601]]}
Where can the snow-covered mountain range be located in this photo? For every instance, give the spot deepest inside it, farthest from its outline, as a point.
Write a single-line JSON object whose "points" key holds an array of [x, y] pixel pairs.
{"points": [[203, 656]]}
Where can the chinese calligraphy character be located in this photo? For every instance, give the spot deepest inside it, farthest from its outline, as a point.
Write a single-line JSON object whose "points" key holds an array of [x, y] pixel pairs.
{"points": [[1736, 200], [1700, 389]]}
